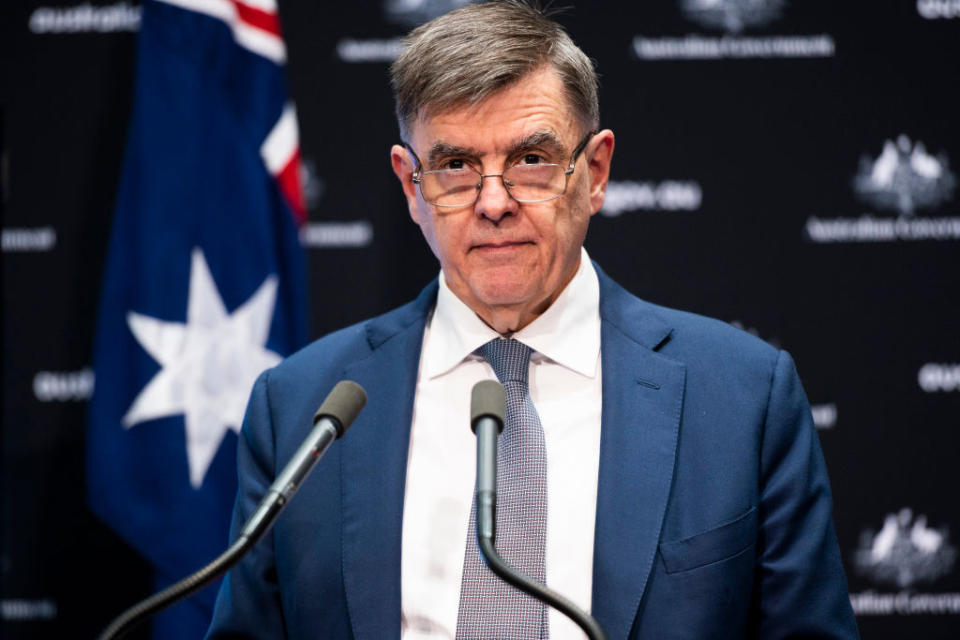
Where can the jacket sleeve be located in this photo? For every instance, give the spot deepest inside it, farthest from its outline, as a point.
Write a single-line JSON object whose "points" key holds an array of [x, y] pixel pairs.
{"points": [[248, 604], [802, 591]]}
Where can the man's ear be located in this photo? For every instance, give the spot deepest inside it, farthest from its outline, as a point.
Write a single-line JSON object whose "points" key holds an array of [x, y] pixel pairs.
{"points": [[403, 168], [598, 162]]}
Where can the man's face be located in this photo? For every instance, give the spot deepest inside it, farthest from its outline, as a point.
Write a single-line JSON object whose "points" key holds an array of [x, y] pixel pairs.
{"points": [[508, 261]]}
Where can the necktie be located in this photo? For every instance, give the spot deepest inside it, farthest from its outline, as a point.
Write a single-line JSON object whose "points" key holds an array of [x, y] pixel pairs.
{"points": [[490, 609]]}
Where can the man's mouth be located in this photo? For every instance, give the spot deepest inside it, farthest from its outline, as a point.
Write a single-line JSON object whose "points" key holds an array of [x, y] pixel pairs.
{"points": [[503, 245]]}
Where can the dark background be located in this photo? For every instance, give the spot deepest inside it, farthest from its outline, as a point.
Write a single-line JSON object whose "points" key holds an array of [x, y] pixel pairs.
{"points": [[767, 142]]}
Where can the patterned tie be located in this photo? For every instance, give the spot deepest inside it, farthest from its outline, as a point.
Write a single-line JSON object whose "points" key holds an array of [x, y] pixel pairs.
{"points": [[490, 609]]}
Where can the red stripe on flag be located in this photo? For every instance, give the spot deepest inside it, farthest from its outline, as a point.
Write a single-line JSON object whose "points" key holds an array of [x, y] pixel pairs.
{"points": [[254, 17], [290, 187]]}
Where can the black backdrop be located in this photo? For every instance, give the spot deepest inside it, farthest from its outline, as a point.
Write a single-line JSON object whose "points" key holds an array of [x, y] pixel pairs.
{"points": [[790, 167]]}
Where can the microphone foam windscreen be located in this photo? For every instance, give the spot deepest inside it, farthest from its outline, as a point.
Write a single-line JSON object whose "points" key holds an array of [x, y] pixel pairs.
{"points": [[488, 399], [343, 403]]}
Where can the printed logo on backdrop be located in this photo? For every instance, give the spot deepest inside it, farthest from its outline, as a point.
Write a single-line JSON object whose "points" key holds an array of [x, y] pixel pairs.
{"points": [[403, 13], [28, 239], [905, 555], [904, 178], [413, 13], [350, 234], [667, 195], [22, 610], [938, 9], [86, 18], [907, 189], [939, 378], [733, 17], [63, 386], [312, 185], [353, 234], [824, 415]]}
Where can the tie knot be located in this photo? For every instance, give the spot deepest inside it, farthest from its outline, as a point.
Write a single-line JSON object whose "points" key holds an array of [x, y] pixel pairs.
{"points": [[509, 358]]}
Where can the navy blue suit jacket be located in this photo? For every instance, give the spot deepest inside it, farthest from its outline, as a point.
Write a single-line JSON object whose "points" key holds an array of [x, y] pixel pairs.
{"points": [[713, 508]]}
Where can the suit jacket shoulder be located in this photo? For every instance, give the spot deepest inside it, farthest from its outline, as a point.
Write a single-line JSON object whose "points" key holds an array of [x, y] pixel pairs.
{"points": [[693, 339], [338, 350]]}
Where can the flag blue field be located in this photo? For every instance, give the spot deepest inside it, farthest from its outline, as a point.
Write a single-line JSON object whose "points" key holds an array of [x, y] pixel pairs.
{"points": [[204, 284]]}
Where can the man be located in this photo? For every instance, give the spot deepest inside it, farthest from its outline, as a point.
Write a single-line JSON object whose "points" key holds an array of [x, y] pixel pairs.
{"points": [[667, 477]]}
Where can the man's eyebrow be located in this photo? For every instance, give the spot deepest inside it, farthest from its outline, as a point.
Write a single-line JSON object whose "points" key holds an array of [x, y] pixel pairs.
{"points": [[542, 138], [441, 150]]}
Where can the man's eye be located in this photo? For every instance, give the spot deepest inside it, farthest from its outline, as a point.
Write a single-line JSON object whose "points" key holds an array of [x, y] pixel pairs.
{"points": [[453, 164], [531, 158]]}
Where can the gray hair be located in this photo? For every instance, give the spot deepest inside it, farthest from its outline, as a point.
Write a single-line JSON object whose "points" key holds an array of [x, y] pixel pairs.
{"points": [[465, 56]]}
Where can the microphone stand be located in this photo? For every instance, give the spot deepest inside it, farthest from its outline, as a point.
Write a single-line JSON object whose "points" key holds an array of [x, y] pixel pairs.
{"points": [[332, 419], [487, 411], [139, 612]]}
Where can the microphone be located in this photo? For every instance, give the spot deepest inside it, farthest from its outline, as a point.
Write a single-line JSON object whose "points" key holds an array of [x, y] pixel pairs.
{"points": [[331, 421], [487, 410], [487, 407]]}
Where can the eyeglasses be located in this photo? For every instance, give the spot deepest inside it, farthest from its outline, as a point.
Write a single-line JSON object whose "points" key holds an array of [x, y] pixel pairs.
{"points": [[540, 182]]}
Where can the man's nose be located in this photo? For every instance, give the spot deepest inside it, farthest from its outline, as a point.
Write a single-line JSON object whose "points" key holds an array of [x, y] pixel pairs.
{"points": [[494, 201]]}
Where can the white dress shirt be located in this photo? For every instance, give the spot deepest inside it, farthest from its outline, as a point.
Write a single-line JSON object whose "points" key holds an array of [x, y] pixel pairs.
{"points": [[565, 387]]}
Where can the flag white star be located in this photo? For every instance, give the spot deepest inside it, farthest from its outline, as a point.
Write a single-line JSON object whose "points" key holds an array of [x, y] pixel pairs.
{"points": [[208, 364]]}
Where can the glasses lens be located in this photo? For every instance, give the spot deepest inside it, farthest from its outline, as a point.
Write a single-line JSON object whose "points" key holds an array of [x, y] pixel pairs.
{"points": [[533, 182], [450, 187], [525, 182]]}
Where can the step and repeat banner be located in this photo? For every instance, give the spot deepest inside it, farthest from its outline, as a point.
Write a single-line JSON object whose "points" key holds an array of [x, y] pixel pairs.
{"points": [[792, 168]]}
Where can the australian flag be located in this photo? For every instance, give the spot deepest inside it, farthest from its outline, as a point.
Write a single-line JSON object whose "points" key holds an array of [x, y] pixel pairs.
{"points": [[204, 284]]}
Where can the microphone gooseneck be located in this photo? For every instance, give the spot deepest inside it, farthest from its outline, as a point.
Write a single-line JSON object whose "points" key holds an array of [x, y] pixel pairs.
{"points": [[487, 410], [331, 421]]}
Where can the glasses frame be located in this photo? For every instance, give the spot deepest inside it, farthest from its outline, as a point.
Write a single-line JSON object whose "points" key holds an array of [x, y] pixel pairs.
{"points": [[418, 174]]}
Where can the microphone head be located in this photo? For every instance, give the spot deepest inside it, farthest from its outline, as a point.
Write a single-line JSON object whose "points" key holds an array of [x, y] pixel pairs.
{"points": [[488, 400], [342, 404]]}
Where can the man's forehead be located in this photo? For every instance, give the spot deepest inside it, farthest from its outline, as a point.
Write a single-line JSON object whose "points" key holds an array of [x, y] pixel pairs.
{"points": [[542, 88], [471, 140]]}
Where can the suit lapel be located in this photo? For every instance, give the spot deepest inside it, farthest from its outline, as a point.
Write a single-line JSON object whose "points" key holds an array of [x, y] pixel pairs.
{"points": [[373, 469], [642, 400]]}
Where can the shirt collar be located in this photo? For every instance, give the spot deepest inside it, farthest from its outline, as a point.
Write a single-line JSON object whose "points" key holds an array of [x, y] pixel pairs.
{"points": [[568, 332]]}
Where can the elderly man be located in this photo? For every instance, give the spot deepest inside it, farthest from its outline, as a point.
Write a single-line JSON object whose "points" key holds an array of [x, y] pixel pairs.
{"points": [[658, 468]]}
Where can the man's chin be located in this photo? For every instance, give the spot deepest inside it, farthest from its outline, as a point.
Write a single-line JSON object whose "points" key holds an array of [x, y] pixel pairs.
{"points": [[503, 294]]}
